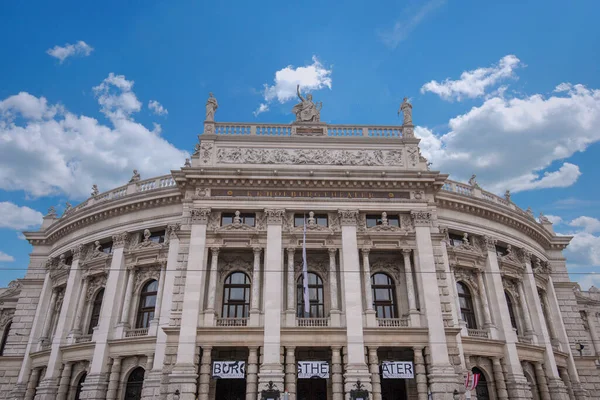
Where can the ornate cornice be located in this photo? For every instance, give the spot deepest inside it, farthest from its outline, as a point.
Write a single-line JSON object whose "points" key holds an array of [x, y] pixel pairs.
{"points": [[274, 215], [421, 217], [200, 215], [348, 217]]}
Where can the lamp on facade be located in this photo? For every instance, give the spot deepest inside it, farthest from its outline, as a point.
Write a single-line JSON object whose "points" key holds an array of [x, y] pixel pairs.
{"points": [[271, 393], [580, 346], [176, 395], [359, 393], [456, 395]]}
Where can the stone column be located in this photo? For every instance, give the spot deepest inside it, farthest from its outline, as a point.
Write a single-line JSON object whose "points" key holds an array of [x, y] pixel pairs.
{"points": [[564, 374], [290, 371], [252, 374], [271, 368], [337, 385], [356, 367], [374, 369], [78, 324], [549, 320], [205, 370], [420, 373], [291, 289], [32, 384], [113, 382], [48, 319], [487, 319], [159, 294], [48, 387], [166, 300], [370, 313], [542, 384], [209, 316], [499, 379], [526, 315], [517, 384], [255, 305], [442, 377], [65, 377], [333, 288], [410, 289], [128, 295]]}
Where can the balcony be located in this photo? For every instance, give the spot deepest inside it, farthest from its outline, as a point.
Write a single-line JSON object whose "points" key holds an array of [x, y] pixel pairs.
{"points": [[524, 339], [83, 339], [478, 333], [393, 322], [312, 322], [136, 332], [232, 321]]}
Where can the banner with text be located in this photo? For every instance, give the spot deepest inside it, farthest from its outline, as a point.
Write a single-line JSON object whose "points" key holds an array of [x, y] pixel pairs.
{"points": [[229, 369], [397, 370], [313, 369]]}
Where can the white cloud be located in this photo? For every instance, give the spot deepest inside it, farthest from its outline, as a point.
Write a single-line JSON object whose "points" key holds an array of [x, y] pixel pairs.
{"points": [[81, 49], [475, 82], [555, 219], [403, 27], [6, 258], [53, 151], [157, 108], [21, 236], [14, 217], [28, 106], [589, 224], [310, 77], [509, 143], [261, 109], [584, 250], [588, 280]]}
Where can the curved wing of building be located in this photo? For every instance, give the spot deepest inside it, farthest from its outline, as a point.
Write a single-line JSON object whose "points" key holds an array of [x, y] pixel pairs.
{"points": [[190, 285]]}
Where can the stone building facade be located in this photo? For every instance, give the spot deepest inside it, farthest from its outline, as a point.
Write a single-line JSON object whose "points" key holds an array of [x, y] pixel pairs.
{"points": [[138, 292]]}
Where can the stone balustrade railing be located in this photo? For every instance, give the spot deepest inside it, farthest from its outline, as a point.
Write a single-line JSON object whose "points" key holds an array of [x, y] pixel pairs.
{"points": [[83, 339], [393, 322], [241, 129], [312, 322], [136, 332], [478, 333], [232, 321]]}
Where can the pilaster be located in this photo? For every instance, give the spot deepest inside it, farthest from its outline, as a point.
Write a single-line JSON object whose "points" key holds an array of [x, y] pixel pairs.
{"points": [[337, 386], [209, 315], [256, 288], [290, 371], [252, 374], [374, 369]]}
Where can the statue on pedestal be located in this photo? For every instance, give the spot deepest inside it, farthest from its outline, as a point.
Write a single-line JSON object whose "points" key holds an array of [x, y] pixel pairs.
{"points": [[406, 109], [307, 111], [211, 108]]}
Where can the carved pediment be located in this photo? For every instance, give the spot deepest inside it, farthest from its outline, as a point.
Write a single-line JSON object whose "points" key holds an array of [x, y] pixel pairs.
{"points": [[468, 276], [95, 282], [144, 274], [236, 263], [510, 257], [236, 228], [13, 290], [388, 266]]}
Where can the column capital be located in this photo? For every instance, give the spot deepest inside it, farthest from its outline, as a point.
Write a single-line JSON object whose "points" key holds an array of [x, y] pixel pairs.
{"points": [[200, 215], [206, 348], [257, 250], [215, 250], [77, 252], [490, 243], [421, 217], [274, 215], [365, 251], [527, 256], [336, 348], [291, 250], [332, 251], [120, 240], [172, 231], [406, 252], [348, 217]]}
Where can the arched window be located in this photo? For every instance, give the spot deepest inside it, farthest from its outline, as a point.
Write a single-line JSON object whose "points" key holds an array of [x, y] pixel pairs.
{"points": [[147, 304], [95, 316], [466, 305], [384, 296], [511, 311], [315, 296], [80, 386], [236, 296], [133, 390], [4, 338]]}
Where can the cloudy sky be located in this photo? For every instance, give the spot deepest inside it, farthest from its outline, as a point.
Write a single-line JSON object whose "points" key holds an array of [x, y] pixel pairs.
{"points": [[88, 92]]}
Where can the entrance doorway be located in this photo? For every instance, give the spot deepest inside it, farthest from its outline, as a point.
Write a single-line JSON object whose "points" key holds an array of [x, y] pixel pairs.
{"points": [[482, 388], [231, 389], [393, 389], [312, 389]]}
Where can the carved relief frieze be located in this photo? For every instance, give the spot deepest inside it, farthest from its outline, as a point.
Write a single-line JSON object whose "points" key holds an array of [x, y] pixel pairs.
{"points": [[468, 276], [94, 284], [251, 155], [6, 315], [240, 262], [421, 217], [206, 150], [142, 275], [510, 256], [510, 285], [387, 265], [348, 217]]}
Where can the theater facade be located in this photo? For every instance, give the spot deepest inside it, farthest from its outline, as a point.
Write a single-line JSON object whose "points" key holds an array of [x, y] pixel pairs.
{"points": [[191, 285]]}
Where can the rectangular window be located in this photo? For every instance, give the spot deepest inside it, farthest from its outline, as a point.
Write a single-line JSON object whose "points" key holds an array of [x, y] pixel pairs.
{"points": [[320, 219], [501, 251], [106, 247], [374, 220], [455, 240], [246, 218], [157, 237]]}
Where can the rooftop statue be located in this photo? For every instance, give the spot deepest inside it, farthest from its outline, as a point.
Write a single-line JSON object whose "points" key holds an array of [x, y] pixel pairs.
{"points": [[307, 111], [406, 109], [211, 108], [136, 176]]}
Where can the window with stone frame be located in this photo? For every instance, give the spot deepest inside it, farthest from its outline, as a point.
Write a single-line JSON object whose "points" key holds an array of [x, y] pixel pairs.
{"points": [[501, 251], [147, 304], [157, 236], [5, 337], [455, 239], [320, 219], [106, 247], [315, 295], [374, 220], [384, 295], [246, 218], [511, 311], [95, 314], [467, 310], [236, 296]]}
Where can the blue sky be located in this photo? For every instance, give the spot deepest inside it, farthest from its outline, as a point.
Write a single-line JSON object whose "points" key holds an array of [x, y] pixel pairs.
{"points": [[509, 91]]}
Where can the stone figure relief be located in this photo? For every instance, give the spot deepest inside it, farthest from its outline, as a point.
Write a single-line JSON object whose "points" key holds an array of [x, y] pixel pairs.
{"points": [[136, 176], [95, 190], [307, 110], [239, 155], [206, 151], [543, 219], [51, 212], [406, 109], [211, 108], [187, 163]]}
